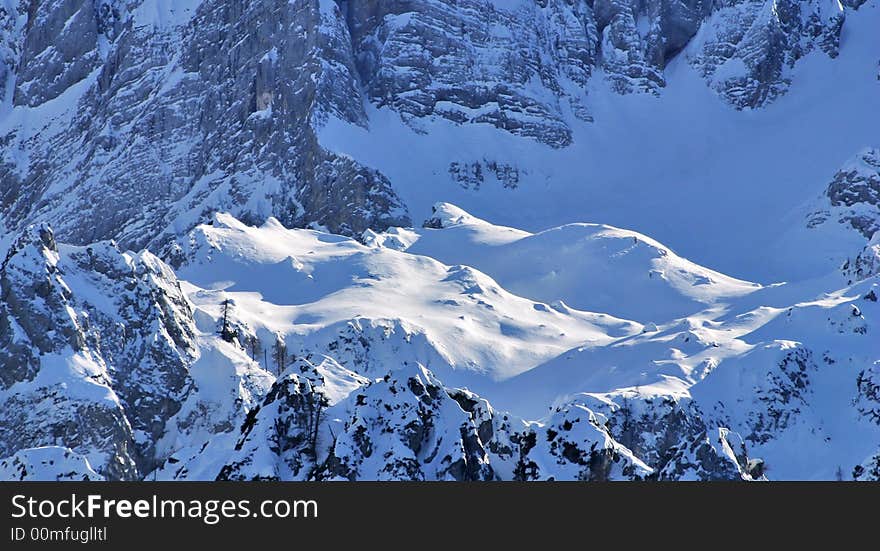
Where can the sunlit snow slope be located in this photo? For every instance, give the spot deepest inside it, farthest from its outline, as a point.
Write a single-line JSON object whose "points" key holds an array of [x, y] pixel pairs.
{"points": [[461, 350], [507, 314]]}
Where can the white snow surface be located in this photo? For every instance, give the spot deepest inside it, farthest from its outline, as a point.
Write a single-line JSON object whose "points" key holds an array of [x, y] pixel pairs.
{"points": [[531, 321]]}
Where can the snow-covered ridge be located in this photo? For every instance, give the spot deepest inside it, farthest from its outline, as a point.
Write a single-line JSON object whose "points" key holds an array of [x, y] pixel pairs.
{"points": [[298, 354], [585, 265], [131, 120]]}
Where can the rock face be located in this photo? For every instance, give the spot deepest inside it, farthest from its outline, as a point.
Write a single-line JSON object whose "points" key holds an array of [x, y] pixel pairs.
{"points": [[852, 202], [477, 61], [59, 47], [637, 39], [576, 444], [866, 263], [44, 337], [409, 426], [47, 464], [284, 427], [148, 353], [677, 439], [100, 364], [746, 48], [854, 193], [161, 114], [211, 113]]}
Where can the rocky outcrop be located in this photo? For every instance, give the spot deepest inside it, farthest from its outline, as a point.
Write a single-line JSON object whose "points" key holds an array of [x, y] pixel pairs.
{"points": [[869, 471], [472, 175], [784, 392], [866, 263], [57, 388], [854, 193], [637, 39], [147, 338], [746, 48], [868, 398], [477, 61], [576, 444], [47, 464], [852, 202], [60, 48], [407, 426], [97, 347], [279, 438], [676, 439]]}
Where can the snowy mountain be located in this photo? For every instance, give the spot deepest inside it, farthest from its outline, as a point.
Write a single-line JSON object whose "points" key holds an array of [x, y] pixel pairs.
{"points": [[298, 354], [436, 240]]}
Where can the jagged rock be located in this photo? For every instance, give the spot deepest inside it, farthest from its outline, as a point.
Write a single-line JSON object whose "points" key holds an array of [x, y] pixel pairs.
{"points": [[279, 438], [407, 426], [209, 123], [716, 455], [852, 202], [146, 336], [475, 174], [638, 38], [47, 463], [746, 48], [854, 193], [101, 364], [866, 263], [781, 395], [474, 61], [44, 340], [575, 444], [674, 437], [59, 50]]}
